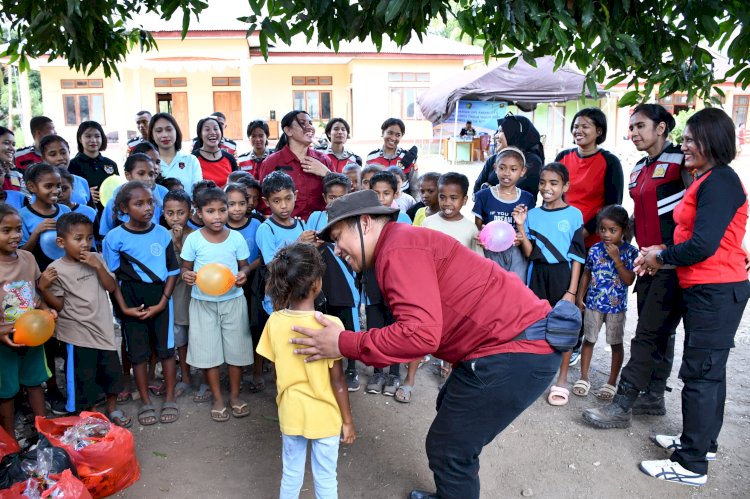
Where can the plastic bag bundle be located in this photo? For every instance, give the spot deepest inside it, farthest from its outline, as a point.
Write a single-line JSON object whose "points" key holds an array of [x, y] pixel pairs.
{"points": [[85, 432], [40, 460], [107, 463], [7, 444], [63, 485]]}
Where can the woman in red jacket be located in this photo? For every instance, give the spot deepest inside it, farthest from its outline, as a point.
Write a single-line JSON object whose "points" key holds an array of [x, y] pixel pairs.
{"points": [[296, 158], [657, 184], [338, 132], [710, 261]]}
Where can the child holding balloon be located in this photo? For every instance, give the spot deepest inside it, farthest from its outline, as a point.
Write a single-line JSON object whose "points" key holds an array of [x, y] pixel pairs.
{"points": [[142, 257], [39, 237], [218, 310], [552, 240], [498, 202], [19, 365]]}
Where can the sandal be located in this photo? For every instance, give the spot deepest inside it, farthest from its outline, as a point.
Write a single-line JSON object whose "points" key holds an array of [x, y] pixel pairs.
{"points": [[117, 417], [256, 387], [158, 390], [124, 396], [403, 394], [606, 392], [558, 395], [581, 388], [169, 413], [181, 389], [424, 360], [220, 416], [202, 395], [147, 415], [241, 410]]}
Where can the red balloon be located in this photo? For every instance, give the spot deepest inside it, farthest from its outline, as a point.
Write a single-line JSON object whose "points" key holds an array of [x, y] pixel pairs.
{"points": [[34, 328], [215, 279]]}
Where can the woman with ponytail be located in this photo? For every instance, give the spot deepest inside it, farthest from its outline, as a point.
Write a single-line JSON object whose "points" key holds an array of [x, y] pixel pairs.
{"points": [[296, 158]]}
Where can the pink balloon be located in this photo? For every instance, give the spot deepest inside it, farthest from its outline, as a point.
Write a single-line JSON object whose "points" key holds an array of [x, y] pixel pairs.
{"points": [[497, 235]]}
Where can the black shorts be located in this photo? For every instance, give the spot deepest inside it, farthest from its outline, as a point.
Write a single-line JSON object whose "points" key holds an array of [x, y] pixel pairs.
{"points": [[550, 281], [157, 332], [91, 372]]}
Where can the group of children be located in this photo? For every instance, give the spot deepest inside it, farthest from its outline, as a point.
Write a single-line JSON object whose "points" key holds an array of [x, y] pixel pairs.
{"points": [[155, 237]]}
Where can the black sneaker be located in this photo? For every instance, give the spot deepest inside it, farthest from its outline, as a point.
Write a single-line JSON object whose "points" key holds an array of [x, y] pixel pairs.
{"points": [[58, 408], [376, 383], [391, 385], [352, 380]]}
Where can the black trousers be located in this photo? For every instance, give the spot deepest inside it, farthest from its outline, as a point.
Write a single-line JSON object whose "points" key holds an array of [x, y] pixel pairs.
{"points": [[712, 313], [479, 400], [652, 347]]}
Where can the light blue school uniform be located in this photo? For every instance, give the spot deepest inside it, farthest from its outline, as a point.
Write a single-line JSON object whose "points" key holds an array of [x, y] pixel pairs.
{"points": [[107, 222]]}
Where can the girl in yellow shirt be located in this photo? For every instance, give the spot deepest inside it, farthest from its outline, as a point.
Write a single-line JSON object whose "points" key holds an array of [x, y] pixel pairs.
{"points": [[313, 399]]}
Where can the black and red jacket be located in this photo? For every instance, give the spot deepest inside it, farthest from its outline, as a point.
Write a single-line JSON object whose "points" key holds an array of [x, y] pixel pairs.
{"points": [[657, 186]]}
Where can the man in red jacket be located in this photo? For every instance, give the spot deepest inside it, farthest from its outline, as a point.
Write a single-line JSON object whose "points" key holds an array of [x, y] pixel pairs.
{"points": [[438, 292]]}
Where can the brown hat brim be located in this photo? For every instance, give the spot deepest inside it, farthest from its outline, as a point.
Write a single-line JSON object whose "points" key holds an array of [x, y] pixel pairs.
{"points": [[325, 233]]}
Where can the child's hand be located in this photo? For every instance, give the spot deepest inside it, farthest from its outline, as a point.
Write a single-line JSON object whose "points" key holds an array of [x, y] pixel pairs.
{"points": [[307, 236], [580, 304], [176, 231], [5, 338], [613, 251], [94, 194], [188, 277], [153, 310], [350, 434], [569, 297], [48, 277], [478, 241], [91, 259], [137, 312], [519, 215], [240, 279], [48, 224], [518, 239]]}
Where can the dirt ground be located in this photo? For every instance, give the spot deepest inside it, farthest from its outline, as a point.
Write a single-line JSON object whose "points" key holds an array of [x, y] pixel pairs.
{"points": [[547, 450]]}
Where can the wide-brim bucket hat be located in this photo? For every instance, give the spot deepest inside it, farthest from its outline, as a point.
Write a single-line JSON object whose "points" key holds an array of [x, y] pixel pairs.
{"points": [[352, 205]]}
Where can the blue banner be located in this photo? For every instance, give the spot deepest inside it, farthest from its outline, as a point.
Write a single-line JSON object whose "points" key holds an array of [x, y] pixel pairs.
{"points": [[482, 114]]}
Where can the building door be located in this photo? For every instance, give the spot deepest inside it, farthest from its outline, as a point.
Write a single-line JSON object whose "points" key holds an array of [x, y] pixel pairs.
{"points": [[176, 104], [230, 103]]}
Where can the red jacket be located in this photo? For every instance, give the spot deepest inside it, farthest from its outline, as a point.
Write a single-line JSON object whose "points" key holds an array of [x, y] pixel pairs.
{"points": [[656, 188], [310, 187], [446, 300], [711, 221]]}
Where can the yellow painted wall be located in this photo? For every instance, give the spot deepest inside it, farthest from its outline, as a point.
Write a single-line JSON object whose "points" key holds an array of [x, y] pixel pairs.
{"points": [[271, 88]]}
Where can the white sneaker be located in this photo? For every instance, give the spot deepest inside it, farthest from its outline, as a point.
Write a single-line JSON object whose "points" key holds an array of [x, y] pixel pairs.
{"points": [[672, 442], [670, 471]]}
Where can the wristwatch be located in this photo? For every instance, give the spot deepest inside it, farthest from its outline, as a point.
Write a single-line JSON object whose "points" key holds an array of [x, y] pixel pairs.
{"points": [[660, 257]]}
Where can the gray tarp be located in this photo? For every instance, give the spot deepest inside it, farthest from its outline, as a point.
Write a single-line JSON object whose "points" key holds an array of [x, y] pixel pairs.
{"points": [[524, 84]]}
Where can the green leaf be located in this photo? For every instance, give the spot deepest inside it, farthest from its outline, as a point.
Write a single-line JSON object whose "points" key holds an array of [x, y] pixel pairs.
{"points": [[544, 29], [393, 9], [629, 99]]}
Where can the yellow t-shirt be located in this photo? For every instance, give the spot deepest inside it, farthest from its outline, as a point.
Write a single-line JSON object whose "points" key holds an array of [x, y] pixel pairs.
{"points": [[307, 404], [419, 217]]}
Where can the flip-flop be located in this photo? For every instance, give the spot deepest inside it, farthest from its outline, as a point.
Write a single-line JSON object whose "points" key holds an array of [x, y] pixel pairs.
{"points": [[181, 389], [241, 410], [124, 396], [120, 419], [558, 395], [581, 388], [169, 409], [220, 416], [403, 394], [606, 392], [147, 413], [203, 394], [158, 390]]}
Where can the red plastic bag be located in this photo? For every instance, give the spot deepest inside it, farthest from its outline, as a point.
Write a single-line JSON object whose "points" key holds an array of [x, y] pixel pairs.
{"points": [[8, 445], [66, 486], [106, 466]]}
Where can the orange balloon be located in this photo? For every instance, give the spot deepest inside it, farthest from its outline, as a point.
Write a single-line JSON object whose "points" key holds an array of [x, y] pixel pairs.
{"points": [[215, 279], [34, 328]]}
